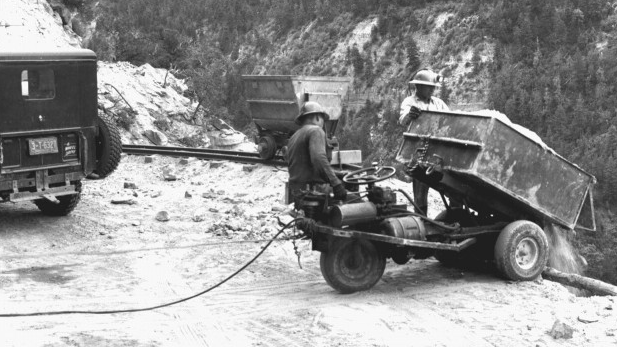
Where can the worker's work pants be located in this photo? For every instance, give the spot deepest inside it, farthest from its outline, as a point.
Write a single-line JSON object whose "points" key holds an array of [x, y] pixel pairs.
{"points": [[420, 196]]}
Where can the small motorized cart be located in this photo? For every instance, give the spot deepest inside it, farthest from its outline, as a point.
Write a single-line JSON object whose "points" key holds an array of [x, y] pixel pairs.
{"points": [[275, 101], [510, 185]]}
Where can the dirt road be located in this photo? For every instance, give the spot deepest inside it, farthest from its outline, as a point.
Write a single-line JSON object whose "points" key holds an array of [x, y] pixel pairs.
{"points": [[106, 256]]}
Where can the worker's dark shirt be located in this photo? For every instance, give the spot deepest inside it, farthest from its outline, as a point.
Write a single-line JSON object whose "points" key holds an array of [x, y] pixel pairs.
{"points": [[307, 160]]}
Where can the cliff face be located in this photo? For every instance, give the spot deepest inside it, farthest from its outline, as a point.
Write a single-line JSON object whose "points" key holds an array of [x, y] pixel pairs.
{"points": [[31, 23]]}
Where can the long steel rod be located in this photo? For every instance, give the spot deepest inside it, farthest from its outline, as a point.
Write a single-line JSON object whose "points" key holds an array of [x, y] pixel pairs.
{"points": [[212, 154], [201, 153]]}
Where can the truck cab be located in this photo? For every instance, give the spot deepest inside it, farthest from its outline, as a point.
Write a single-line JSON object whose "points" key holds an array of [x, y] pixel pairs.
{"points": [[51, 136]]}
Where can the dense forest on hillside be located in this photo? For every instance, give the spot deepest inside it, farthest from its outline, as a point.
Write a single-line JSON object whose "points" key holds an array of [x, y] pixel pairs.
{"points": [[553, 68]]}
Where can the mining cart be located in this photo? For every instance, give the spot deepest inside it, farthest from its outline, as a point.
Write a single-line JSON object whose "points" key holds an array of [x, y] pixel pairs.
{"points": [[510, 185], [51, 135], [275, 101]]}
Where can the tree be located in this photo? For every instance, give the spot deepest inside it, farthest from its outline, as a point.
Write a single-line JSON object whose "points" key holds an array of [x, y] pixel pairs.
{"points": [[368, 70], [206, 70], [413, 54], [356, 60], [610, 173], [476, 61], [444, 93]]}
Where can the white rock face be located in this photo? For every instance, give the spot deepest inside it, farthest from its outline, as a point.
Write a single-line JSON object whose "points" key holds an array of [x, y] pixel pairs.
{"points": [[33, 24]]}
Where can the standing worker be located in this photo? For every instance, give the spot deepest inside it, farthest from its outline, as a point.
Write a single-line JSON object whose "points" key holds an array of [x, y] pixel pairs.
{"points": [[309, 167], [425, 81]]}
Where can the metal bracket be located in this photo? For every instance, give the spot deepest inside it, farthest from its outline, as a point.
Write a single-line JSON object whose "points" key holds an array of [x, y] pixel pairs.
{"points": [[51, 198], [42, 180], [419, 157]]}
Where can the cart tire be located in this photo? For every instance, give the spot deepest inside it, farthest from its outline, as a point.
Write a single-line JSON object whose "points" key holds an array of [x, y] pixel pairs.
{"points": [[452, 258], [352, 265], [266, 147], [108, 146], [66, 205], [521, 251], [284, 152]]}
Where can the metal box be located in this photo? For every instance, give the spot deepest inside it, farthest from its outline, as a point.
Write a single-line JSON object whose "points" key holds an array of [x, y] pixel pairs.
{"points": [[497, 167], [275, 101]]}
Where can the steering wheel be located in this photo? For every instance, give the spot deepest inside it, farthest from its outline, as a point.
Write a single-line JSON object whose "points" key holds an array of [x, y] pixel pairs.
{"points": [[369, 175]]}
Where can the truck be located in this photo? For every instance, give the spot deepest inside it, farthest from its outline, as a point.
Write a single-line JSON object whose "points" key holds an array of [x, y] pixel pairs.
{"points": [[510, 185], [51, 134]]}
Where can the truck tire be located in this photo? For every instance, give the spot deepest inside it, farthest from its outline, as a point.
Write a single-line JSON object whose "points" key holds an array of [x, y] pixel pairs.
{"points": [[521, 251], [108, 145], [352, 265], [66, 205], [266, 147]]}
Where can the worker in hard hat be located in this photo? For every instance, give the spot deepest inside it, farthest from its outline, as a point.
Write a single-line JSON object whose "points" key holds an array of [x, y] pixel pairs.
{"points": [[422, 99], [309, 167], [424, 81]]}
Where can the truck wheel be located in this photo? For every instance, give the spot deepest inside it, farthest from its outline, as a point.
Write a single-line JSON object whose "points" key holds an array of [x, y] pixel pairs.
{"points": [[521, 251], [66, 205], [266, 147], [108, 146], [352, 265]]}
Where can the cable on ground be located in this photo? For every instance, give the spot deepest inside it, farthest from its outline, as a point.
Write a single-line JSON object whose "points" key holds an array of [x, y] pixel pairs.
{"points": [[54, 313]]}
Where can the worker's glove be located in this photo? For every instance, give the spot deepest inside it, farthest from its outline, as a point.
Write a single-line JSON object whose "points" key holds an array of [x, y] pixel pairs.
{"points": [[414, 112], [340, 193]]}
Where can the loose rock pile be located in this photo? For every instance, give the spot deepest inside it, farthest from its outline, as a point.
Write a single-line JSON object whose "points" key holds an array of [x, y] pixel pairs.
{"points": [[150, 107]]}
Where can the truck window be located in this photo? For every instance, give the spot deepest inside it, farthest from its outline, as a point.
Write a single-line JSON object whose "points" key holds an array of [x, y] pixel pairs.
{"points": [[38, 84]]}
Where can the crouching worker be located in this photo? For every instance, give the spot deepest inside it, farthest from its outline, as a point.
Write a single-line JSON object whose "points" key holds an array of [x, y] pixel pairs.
{"points": [[309, 167]]}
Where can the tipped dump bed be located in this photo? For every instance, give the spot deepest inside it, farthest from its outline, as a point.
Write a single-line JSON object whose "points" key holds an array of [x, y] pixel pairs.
{"points": [[498, 168], [275, 101]]}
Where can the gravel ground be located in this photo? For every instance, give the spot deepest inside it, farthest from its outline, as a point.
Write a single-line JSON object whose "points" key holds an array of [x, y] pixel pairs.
{"points": [[108, 256]]}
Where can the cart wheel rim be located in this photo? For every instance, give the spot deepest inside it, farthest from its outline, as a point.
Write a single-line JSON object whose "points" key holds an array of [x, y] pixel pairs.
{"points": [[527, 253], [356, 261], [266, 147]]}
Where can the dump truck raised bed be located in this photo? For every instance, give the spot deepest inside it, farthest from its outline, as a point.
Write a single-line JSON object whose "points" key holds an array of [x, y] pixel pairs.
{"points": [[275, 101], [510, 184]]}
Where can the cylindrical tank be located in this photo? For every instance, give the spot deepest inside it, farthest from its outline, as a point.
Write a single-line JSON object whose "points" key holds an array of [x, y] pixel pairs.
{"points": [[408, 227], [352, 214]]}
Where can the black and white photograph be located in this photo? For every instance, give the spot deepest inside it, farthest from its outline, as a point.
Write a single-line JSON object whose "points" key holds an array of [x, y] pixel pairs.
{"points": [[278, 173]]}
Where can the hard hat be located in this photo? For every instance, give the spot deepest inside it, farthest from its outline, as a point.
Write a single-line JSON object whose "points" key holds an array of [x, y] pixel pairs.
{"points": [[426, 77], [311, 107]]}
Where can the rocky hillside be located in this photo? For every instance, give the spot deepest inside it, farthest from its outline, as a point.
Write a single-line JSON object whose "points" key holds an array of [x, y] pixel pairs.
{"points": [[34, 24], [147, 103], [150, 108]]}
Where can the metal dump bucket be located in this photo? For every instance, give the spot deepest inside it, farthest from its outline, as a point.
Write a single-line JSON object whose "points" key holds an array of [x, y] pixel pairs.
{"points": [[275, 101], [495, 167]]}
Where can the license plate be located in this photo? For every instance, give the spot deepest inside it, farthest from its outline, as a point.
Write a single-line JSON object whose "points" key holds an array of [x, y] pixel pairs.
{"points": [[43, 145]]}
